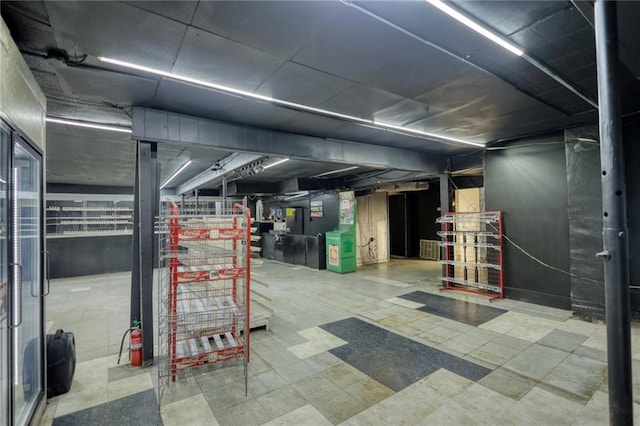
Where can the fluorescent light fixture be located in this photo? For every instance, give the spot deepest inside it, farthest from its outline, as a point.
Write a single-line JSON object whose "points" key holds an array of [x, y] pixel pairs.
{"points": [[336, 171], [298, 195], [280, 102], [427, 134], [276, 163], [235, 91], [497, 39], [87, 124], [184, 166]]}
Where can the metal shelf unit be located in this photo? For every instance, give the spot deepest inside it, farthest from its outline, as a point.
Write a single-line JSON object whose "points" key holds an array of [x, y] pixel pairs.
{"points": [[473, 260], [204, 287], [76, 215]]}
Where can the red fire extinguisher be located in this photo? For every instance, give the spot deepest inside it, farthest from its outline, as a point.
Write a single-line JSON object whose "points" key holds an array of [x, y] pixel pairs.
{"points": [[135, 345]]}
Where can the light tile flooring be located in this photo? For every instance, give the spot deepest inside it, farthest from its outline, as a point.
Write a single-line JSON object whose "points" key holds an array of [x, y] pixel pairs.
{"points": [[546, 367]]}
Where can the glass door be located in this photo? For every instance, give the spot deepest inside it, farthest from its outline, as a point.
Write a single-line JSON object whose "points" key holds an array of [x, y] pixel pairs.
{"points": [[25, 246], [5, 136]]}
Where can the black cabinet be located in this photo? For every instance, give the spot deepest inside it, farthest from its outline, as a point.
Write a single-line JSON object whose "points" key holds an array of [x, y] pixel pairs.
{"points": [[295, 249]]}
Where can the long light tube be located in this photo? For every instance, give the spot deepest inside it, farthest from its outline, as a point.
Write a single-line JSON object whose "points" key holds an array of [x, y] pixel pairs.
{"points": [[275, 164], [87, 124], [233, 90], [497, 39], [184, 166], [346, 169], [301, 194], [251, 95], [421, 133]]}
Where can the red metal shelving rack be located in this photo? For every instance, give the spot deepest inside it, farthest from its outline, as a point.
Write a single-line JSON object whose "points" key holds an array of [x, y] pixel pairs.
{"points": [[204, 287], [473, 257]]}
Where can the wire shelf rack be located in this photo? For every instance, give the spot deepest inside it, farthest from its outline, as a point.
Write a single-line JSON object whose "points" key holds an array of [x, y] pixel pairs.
{"points": [[472, 252], [204, 278]]}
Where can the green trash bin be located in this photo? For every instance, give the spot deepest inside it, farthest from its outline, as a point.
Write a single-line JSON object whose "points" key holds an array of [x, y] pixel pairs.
{"points": [[341, 242], [341, 251]]}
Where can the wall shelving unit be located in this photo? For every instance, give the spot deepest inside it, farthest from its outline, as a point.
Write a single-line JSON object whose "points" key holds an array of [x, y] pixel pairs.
{"points": [[473, 260], [204, 295], [82, 215]]}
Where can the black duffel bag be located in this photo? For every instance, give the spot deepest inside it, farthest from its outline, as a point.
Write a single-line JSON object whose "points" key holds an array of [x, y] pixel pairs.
{"points": [[61, 362]]}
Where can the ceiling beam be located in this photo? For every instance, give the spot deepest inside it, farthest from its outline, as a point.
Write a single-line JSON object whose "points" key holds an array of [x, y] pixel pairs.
{"points": [[162, 126], [252, 188], [386, 178], [303, 184], [227, 165]]}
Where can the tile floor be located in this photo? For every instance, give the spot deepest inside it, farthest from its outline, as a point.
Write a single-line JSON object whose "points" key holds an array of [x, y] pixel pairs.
{"points": [[380, 346]]}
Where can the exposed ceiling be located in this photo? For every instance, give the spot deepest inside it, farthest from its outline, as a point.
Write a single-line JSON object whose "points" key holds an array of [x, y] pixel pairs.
{"points": [[403, 63]]}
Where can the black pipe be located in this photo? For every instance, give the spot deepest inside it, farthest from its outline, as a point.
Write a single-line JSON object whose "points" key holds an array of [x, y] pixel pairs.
{"points": [[615, 233]]}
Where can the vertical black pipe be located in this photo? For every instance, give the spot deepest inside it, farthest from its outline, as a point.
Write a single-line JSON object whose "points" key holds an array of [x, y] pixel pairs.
{"points": [[445, 204], [615, 234], [148, 197], [224, 188], [135, 247]]}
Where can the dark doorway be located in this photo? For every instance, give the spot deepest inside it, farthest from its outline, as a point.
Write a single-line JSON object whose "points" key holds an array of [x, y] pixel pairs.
{"points": [[398, 224]]}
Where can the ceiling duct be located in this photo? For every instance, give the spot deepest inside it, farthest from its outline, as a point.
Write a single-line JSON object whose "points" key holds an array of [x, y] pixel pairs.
{"points": [[403, 186]]}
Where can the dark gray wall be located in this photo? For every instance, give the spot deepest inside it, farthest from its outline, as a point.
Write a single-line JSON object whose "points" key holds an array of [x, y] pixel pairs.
{"points": [[529, 185], [398, 225], [312, 225], [631, 134], [75, 256], [70, 188], [422, 212], [585, 230]]}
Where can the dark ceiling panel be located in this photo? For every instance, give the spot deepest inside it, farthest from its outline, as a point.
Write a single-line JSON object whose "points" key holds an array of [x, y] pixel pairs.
{"points": [[218, 60], [89, 157], [361, 101], [466, 126], [510, 16], [178, 10], [429, 23], [403, 112], [579, 59], [479, 97], [297, 83], [372, 136], [116, 30], [533, 40], [34, 10], [629, 33], [28, 21], [562, 24], [109, 86], [525, 77], [355, 46], [278, 27], [172, 157], [187, 99], [415, 70], [553, 32]]}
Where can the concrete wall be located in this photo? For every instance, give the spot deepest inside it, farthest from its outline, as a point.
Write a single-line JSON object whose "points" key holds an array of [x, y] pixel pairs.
{"points": [[372, 221], [22, 103], [529, 185], [585, 225]]}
